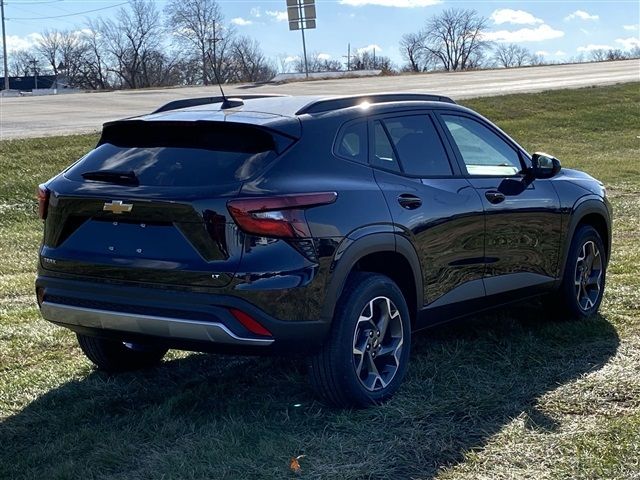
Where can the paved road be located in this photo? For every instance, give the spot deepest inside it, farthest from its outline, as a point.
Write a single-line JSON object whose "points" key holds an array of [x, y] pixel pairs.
{"points": [[67, 114]]}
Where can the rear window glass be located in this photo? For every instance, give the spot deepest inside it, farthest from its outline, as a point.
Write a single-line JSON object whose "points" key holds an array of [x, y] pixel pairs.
{"points": [[181, 155]]}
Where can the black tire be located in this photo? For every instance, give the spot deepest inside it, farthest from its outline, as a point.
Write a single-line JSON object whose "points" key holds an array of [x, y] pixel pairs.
{"points": [[115, 356], [343, 378], [571, 301]]}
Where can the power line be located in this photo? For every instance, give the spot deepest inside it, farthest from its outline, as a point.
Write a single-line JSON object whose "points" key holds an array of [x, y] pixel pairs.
{"points": [[68, 14]]}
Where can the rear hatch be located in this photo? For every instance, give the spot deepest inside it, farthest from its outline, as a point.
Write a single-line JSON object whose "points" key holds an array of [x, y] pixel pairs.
{"points": [[149, 204]]}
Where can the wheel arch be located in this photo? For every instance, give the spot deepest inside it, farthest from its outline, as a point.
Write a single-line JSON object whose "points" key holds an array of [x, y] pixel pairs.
{"points": [[385, 253], [591, 211]]}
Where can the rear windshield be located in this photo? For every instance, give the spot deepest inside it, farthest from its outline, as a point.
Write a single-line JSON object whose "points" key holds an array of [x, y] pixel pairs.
{"points": [[180, 154]]}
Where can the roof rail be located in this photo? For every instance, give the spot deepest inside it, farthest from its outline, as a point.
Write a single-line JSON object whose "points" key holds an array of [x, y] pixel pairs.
{"points": [[194, 102], [335, 103]]}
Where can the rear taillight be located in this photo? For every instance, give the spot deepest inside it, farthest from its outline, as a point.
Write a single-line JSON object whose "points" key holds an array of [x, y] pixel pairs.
{"points": [[43, 194], [281, 216]]}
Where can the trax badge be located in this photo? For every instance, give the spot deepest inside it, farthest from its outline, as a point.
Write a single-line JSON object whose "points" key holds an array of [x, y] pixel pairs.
{"points": [[117, 207]]}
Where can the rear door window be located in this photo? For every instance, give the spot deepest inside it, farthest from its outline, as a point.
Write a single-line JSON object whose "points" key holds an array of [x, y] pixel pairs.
{"points": [[410, 144], [419, 146], [384, 155], [180, 154]]}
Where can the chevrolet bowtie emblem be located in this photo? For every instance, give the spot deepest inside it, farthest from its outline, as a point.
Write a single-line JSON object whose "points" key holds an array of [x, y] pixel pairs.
{"points": [[117, 207]]}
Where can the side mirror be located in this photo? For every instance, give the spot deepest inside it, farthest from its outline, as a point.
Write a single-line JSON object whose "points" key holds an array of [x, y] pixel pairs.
{"points": [[544, 165]]}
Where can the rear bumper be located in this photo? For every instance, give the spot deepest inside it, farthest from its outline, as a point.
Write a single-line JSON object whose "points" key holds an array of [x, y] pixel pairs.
{"points": [[183, 320], [164, 327]]}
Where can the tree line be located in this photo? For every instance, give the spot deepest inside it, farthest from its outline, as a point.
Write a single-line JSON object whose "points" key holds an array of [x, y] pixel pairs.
{"points": [[455, 39], [189, 42], [141, 46]]}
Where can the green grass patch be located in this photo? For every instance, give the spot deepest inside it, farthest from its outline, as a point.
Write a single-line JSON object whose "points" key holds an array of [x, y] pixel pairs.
{"points": [[505, 395]]}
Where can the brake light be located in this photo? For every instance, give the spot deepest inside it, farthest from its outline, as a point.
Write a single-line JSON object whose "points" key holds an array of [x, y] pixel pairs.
{"points": [[250, 323], [281, 216], [43, 194]]}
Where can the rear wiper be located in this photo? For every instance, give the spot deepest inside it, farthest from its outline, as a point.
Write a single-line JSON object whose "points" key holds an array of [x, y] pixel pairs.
{"points": [[112, 176]]}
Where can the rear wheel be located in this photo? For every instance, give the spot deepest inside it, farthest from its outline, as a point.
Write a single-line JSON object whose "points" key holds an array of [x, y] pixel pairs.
{"points": [[116, 356], [365, 357], [582, 285]]}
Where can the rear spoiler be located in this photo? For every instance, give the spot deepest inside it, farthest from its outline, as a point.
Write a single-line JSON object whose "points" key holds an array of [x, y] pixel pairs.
{"points": [[202, 134]]}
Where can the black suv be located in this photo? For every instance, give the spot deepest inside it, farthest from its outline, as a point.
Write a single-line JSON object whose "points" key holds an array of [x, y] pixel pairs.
{"points": [[326, 226]]}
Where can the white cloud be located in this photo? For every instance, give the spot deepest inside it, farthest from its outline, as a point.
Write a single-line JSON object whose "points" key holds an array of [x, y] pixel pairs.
{"points": [[538, 34], [16, 42], [591, 47], [291, 58], [582, 15], [631, 27], [255, 12], [519, 17], [557, 53], [628, 43], [241, 21], [392, 3], [324, 56], [280, 16], [369, 48], [585, 31]]}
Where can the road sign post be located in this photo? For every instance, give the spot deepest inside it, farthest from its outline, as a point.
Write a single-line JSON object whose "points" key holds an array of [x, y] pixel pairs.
{"points": [[302, 15]]}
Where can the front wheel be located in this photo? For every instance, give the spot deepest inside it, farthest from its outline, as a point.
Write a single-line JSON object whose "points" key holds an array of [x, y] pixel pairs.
{"points": [[116, 356], [365, 357], [583, 282]]}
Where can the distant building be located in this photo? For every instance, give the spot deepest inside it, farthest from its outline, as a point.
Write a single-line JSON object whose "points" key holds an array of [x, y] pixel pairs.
{"points": [[28, 83]]}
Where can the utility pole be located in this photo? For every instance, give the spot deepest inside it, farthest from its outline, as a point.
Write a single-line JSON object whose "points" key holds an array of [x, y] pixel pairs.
{"points": [[374, 58], [4, 48], [35, 72], [348, 57], [212, 47]]}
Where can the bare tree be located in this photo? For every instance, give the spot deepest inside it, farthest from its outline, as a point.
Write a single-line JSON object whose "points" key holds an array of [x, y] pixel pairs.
{"points": [[616, 54], [21, 63], [95, 72], [249, 62], [512, 55], [537, 59], [599, 55], [199, 27], [455, 37], [132, 39], [414, 52], [49, 47], [365, 60], [316, 62]]}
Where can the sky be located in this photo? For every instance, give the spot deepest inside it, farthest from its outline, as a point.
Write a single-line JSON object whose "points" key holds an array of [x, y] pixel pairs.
{"points": [[558, 30]]}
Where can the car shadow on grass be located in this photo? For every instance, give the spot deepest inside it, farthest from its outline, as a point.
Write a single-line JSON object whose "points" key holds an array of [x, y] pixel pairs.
{"points": [[211, 416]]}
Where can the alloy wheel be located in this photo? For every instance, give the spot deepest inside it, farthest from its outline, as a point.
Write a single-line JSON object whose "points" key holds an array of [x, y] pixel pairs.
{"points": [[588, 276], [377, 343]]}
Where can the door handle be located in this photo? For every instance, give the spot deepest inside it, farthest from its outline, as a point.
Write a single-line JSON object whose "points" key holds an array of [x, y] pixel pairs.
{"points": [[494, 196], [408, 201]]}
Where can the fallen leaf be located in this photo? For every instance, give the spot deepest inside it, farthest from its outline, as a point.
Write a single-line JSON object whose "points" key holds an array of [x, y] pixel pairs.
{"points": [[294, 464]]}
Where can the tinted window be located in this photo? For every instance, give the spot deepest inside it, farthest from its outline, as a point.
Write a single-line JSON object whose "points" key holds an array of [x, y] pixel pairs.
{"points": [[483, 151], [418, 145], [353, 142], [180, 155], [383, 154]]}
